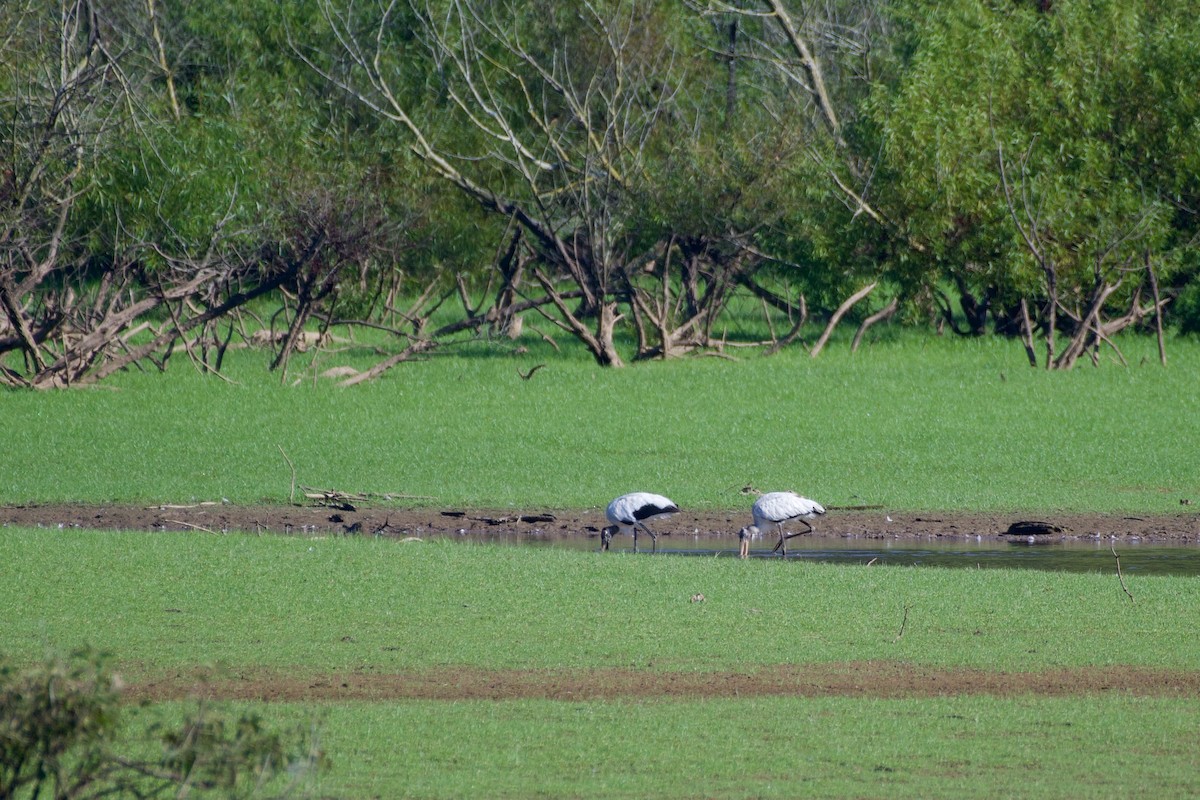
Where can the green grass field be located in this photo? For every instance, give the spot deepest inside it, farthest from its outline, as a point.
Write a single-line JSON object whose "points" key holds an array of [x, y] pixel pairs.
{"points": [[314, 609], [955, 747], [170, 601], [912, 423]]}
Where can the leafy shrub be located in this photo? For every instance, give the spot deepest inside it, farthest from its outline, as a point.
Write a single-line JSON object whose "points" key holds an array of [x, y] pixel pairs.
{"points": [[61, 736]]}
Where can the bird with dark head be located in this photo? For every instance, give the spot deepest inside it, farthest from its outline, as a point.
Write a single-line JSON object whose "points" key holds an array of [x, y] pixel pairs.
{"points": [[630, 511], [777, 508]]}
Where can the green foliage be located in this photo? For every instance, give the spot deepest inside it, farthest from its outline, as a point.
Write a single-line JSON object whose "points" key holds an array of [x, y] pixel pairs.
{"points": [[621, 127], [55, 723], [61, 735], [1075, 103]]}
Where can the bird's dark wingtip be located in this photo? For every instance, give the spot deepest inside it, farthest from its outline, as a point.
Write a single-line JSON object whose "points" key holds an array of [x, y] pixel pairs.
{"points": [[651, 510]]}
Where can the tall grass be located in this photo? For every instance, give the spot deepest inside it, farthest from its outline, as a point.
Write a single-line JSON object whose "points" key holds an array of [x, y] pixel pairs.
{"points": [[911, 422]]}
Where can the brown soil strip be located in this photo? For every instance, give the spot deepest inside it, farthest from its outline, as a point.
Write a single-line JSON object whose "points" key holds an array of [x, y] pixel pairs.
{"points": [[855, 679], [360, 519]]}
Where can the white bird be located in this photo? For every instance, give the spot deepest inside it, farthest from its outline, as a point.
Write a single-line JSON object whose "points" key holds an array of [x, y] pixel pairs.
{"points": [[630, 512], [776, 508]]}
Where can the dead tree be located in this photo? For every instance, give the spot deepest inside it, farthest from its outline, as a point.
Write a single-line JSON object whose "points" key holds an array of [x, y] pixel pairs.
{"points": [[560, 139], [681, 304], [1080, 312]]}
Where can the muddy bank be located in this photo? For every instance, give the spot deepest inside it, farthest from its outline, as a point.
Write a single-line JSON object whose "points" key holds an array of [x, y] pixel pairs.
{"points": [[882, 679], [353, 519]]}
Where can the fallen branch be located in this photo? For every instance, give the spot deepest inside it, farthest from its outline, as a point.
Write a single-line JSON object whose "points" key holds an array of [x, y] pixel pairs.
{"points": [[334, 499], [417, 347], [338, 496], [193, 505]]}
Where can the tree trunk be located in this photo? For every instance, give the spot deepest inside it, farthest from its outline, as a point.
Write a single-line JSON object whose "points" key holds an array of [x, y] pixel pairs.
{"points": [[1158, 322], [599, 344], [879, 316], [841, 312], [1027, 334]]}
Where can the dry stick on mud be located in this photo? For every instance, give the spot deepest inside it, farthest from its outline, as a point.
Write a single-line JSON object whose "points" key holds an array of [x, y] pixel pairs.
{"points": [[190, 525], [1121, 577]]}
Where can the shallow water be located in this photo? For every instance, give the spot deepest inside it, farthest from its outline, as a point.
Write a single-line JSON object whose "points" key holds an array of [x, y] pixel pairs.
{"points": [[1151, 558]]}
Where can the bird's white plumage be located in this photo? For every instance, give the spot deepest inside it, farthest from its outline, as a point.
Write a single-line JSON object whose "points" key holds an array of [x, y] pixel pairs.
{"points": [[637, 506], [630, 511], [777, 508]]}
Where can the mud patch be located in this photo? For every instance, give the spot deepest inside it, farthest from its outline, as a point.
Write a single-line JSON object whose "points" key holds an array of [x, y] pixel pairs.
{"points": [[355, 520], [875, 679]]}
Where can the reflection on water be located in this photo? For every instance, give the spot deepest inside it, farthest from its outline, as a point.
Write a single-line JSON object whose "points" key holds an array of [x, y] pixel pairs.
{"points": [[1072, 556]]}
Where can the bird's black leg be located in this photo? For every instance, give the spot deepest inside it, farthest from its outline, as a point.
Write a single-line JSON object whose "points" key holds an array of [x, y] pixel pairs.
{"points": [[635, 538], [653, 536], [801, 533]]}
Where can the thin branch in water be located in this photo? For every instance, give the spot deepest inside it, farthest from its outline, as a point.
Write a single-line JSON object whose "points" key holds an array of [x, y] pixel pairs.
{"points": [[1121, 577]]}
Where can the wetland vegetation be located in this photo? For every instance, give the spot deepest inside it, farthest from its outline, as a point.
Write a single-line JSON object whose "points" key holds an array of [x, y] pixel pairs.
{"points": [[829, 243]]}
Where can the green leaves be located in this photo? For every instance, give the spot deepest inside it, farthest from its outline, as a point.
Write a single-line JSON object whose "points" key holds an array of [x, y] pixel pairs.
{"points": [[1070, 101]]}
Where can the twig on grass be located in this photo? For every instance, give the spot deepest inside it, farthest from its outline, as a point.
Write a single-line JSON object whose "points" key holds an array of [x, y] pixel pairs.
{"points": [[1121, 577], [903, 622], [190, 525], [292, 493], [527, 375]]}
